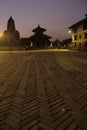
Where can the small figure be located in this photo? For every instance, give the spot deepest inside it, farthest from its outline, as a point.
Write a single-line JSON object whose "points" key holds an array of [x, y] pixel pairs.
{"points": [[79, 46]]}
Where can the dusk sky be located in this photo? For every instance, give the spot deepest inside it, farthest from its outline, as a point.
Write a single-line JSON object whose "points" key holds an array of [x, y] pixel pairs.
{"points": [[54, 15]]}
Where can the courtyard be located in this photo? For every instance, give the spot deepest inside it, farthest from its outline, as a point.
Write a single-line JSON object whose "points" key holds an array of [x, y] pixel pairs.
{"points": [[43, 90]]}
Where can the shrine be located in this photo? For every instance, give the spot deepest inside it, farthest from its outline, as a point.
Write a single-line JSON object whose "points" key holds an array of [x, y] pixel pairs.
{"points": [[39, 39]]}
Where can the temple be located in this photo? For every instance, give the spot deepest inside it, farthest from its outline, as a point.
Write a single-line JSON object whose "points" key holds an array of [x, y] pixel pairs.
{"points": [[12, 36], [39, 40]]}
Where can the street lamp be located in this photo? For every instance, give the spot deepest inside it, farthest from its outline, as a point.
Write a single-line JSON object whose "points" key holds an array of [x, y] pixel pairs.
{"points": [[69, 31]]}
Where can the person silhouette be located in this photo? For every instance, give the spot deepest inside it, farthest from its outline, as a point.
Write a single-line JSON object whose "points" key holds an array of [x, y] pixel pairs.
{"points": [[79, 46]]}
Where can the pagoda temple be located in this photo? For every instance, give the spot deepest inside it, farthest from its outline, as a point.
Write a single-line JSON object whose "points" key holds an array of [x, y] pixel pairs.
{"points": [[12, 36], [39, 40]]}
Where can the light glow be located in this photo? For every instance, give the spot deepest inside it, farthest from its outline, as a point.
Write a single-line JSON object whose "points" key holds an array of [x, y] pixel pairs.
{"points": [[69, 31], [0, 35]]}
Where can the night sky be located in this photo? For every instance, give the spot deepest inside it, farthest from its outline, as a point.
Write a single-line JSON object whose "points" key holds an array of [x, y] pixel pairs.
{"points": [[54, 15]]}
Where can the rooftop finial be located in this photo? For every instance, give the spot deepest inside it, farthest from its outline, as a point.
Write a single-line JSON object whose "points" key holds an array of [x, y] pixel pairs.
{"points": [[10, 17], [38, 25]]}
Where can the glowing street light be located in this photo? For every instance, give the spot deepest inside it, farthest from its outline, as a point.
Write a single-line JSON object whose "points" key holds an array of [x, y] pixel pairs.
{"points": [[69, 31]]}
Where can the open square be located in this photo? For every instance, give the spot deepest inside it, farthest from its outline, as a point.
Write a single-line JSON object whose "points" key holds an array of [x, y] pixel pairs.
{"points": [[43, 90]]}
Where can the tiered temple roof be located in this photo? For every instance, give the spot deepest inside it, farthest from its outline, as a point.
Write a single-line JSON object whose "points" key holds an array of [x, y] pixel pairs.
{"points": [[40, 39]]}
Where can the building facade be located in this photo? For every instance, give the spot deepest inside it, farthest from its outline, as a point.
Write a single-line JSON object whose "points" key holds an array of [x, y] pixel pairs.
{"points": [[79, 34]]}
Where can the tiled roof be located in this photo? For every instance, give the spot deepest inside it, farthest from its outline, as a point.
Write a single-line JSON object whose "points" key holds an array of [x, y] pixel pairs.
{"points": [[83, 21]]}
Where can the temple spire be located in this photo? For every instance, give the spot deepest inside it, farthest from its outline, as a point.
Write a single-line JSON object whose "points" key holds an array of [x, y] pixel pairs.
{"points": [[11, 24]]}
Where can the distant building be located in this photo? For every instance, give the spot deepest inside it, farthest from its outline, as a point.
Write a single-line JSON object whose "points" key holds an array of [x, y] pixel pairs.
{"points": [[11, 35], [56, 44], [39, 40], [24, 42], [67, 43], [79, 33]]}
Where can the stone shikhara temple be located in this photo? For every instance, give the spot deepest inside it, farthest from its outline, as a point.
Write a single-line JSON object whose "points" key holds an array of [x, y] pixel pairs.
{"points": [[11, 35]]}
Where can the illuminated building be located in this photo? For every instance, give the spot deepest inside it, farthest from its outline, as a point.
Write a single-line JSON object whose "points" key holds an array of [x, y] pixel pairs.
{"points": [[79, 33]]}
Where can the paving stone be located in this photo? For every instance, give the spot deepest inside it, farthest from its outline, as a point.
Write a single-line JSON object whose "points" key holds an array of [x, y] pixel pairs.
{"points": [[43, 91], [7, 127], [30, 125]]}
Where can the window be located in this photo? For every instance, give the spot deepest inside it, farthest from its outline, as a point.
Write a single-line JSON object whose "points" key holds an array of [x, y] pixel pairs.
{"points": [[79, 36], [85, 26], [75, 37], [75, 30], [85, 35], [86, 44]]}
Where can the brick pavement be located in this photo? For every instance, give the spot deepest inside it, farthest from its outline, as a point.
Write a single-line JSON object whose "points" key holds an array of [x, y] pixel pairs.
{"points": [[43, 91]]}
